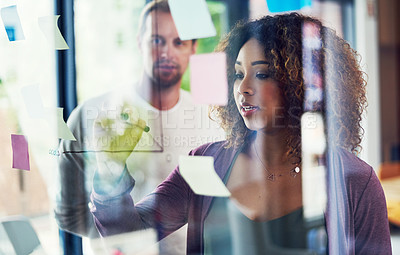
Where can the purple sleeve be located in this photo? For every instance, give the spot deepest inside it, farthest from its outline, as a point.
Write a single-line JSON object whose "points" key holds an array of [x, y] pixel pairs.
{"points": [[371, 221], [165, 209]]}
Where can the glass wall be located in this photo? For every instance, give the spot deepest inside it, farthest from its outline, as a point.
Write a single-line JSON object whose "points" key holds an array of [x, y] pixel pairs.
{"points": [[108, 58], [28, 63]]}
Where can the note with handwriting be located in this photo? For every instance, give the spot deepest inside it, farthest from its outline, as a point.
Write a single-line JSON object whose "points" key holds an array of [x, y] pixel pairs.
{"points": [[20, 152], [12, 23], [192, 19], [199, 173], [208, 80]]}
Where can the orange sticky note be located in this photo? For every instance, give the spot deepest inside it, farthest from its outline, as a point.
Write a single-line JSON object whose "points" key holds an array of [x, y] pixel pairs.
{"points": [[20, 152], [208, 81]]}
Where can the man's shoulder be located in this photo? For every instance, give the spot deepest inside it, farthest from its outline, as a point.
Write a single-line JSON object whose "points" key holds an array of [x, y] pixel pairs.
{"points": [[108, 99], [96, 101]]}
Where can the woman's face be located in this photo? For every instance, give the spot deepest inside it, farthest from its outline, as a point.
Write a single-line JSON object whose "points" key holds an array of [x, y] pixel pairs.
{"points": [[258, 97]]}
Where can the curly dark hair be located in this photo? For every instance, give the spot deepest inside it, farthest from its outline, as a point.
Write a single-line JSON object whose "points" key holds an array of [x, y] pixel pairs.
{"points": [[338, 64]]}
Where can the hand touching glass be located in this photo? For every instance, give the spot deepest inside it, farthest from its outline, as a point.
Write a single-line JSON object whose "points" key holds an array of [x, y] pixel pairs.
{"points": [[116, 133]]}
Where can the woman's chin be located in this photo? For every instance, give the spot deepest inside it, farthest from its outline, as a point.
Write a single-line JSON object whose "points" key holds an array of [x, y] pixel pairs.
{"points": [[267, 129]]}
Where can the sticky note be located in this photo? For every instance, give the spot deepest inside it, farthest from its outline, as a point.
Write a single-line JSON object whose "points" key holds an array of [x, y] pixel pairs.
{"points": [[12, 23], [33, 101], [20, 152], [192, 19], [208, 81], [287, 5], [62, 129], [199, 173], [49, 27]]}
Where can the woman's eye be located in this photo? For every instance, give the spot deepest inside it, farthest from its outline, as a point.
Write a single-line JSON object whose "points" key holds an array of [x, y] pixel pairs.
{"points": [[238, 76], [262, 76]]}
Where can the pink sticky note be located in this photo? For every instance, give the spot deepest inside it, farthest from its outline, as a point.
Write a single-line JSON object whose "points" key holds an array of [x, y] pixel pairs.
{"points": [[208, 82], [20, 152]]}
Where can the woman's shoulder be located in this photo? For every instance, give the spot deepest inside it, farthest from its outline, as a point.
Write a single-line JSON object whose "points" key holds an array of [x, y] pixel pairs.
{"points": [[358, 175], [354, 167], [211, 149]]}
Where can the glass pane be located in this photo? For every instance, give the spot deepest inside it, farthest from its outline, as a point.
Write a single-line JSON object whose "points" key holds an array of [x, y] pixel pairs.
{"points": [[28, 62]]}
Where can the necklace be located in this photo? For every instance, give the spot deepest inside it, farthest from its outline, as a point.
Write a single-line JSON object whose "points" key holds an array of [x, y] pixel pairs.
{"points": [[272, 176]]}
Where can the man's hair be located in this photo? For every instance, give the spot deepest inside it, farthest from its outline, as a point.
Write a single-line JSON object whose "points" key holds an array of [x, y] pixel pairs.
{"points": [[156, 5]]}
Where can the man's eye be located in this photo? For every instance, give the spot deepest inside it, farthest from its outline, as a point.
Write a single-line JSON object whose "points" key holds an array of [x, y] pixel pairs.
{"points": [[156, 41], [238, 76], [262, 76], [178, 43]]}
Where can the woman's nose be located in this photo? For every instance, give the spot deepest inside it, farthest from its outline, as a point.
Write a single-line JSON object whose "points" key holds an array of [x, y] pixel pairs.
{"points": [[245, 88]]}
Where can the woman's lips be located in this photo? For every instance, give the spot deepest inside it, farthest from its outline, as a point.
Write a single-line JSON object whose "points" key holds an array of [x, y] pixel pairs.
{"points": [[248, 110]]}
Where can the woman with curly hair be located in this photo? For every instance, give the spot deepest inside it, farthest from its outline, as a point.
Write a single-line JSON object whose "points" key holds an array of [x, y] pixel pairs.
{"points": [[260, 162]]}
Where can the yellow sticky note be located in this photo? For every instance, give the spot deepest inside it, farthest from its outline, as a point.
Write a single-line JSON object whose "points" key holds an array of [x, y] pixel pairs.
{"points": [[49, 27], [199, 173]]}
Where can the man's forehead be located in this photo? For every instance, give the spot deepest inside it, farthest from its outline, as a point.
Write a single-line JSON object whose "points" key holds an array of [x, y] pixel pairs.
{"points": [[155, 17], [160, 24]]}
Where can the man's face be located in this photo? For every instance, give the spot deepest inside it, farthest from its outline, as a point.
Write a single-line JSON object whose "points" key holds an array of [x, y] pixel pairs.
{"points": [[165, 56]]}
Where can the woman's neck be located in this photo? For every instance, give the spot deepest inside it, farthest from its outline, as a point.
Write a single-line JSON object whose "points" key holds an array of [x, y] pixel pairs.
{"points": [[271, 148]]}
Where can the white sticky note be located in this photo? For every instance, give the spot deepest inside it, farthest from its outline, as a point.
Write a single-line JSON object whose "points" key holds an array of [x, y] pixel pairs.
{"points": [[192, 19], [33, 101], [12, 23], [62, 128], [199, 173], [49, 27], [208, 81]]}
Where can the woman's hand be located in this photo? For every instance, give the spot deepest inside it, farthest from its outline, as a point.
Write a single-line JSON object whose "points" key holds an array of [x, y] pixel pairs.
{"points": [[116, 133]]}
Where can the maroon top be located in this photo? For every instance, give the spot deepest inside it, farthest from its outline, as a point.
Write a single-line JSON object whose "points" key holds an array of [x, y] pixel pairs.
{"points": [[356, 215]]}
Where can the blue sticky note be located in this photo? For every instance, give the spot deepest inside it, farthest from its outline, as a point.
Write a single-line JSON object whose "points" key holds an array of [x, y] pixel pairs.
{"points": [[192, 19], [287, 5], [12, 23]]}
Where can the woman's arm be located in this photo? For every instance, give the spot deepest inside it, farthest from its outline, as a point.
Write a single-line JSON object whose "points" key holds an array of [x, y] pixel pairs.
{"points": [[165, 209]]}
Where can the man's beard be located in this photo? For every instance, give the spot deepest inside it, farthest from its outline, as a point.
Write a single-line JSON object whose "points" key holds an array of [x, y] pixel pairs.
{"points": [[162, 83]]}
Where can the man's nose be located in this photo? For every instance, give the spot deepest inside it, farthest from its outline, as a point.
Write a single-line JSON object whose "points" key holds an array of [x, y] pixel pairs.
{"points": [[166, 51]]}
